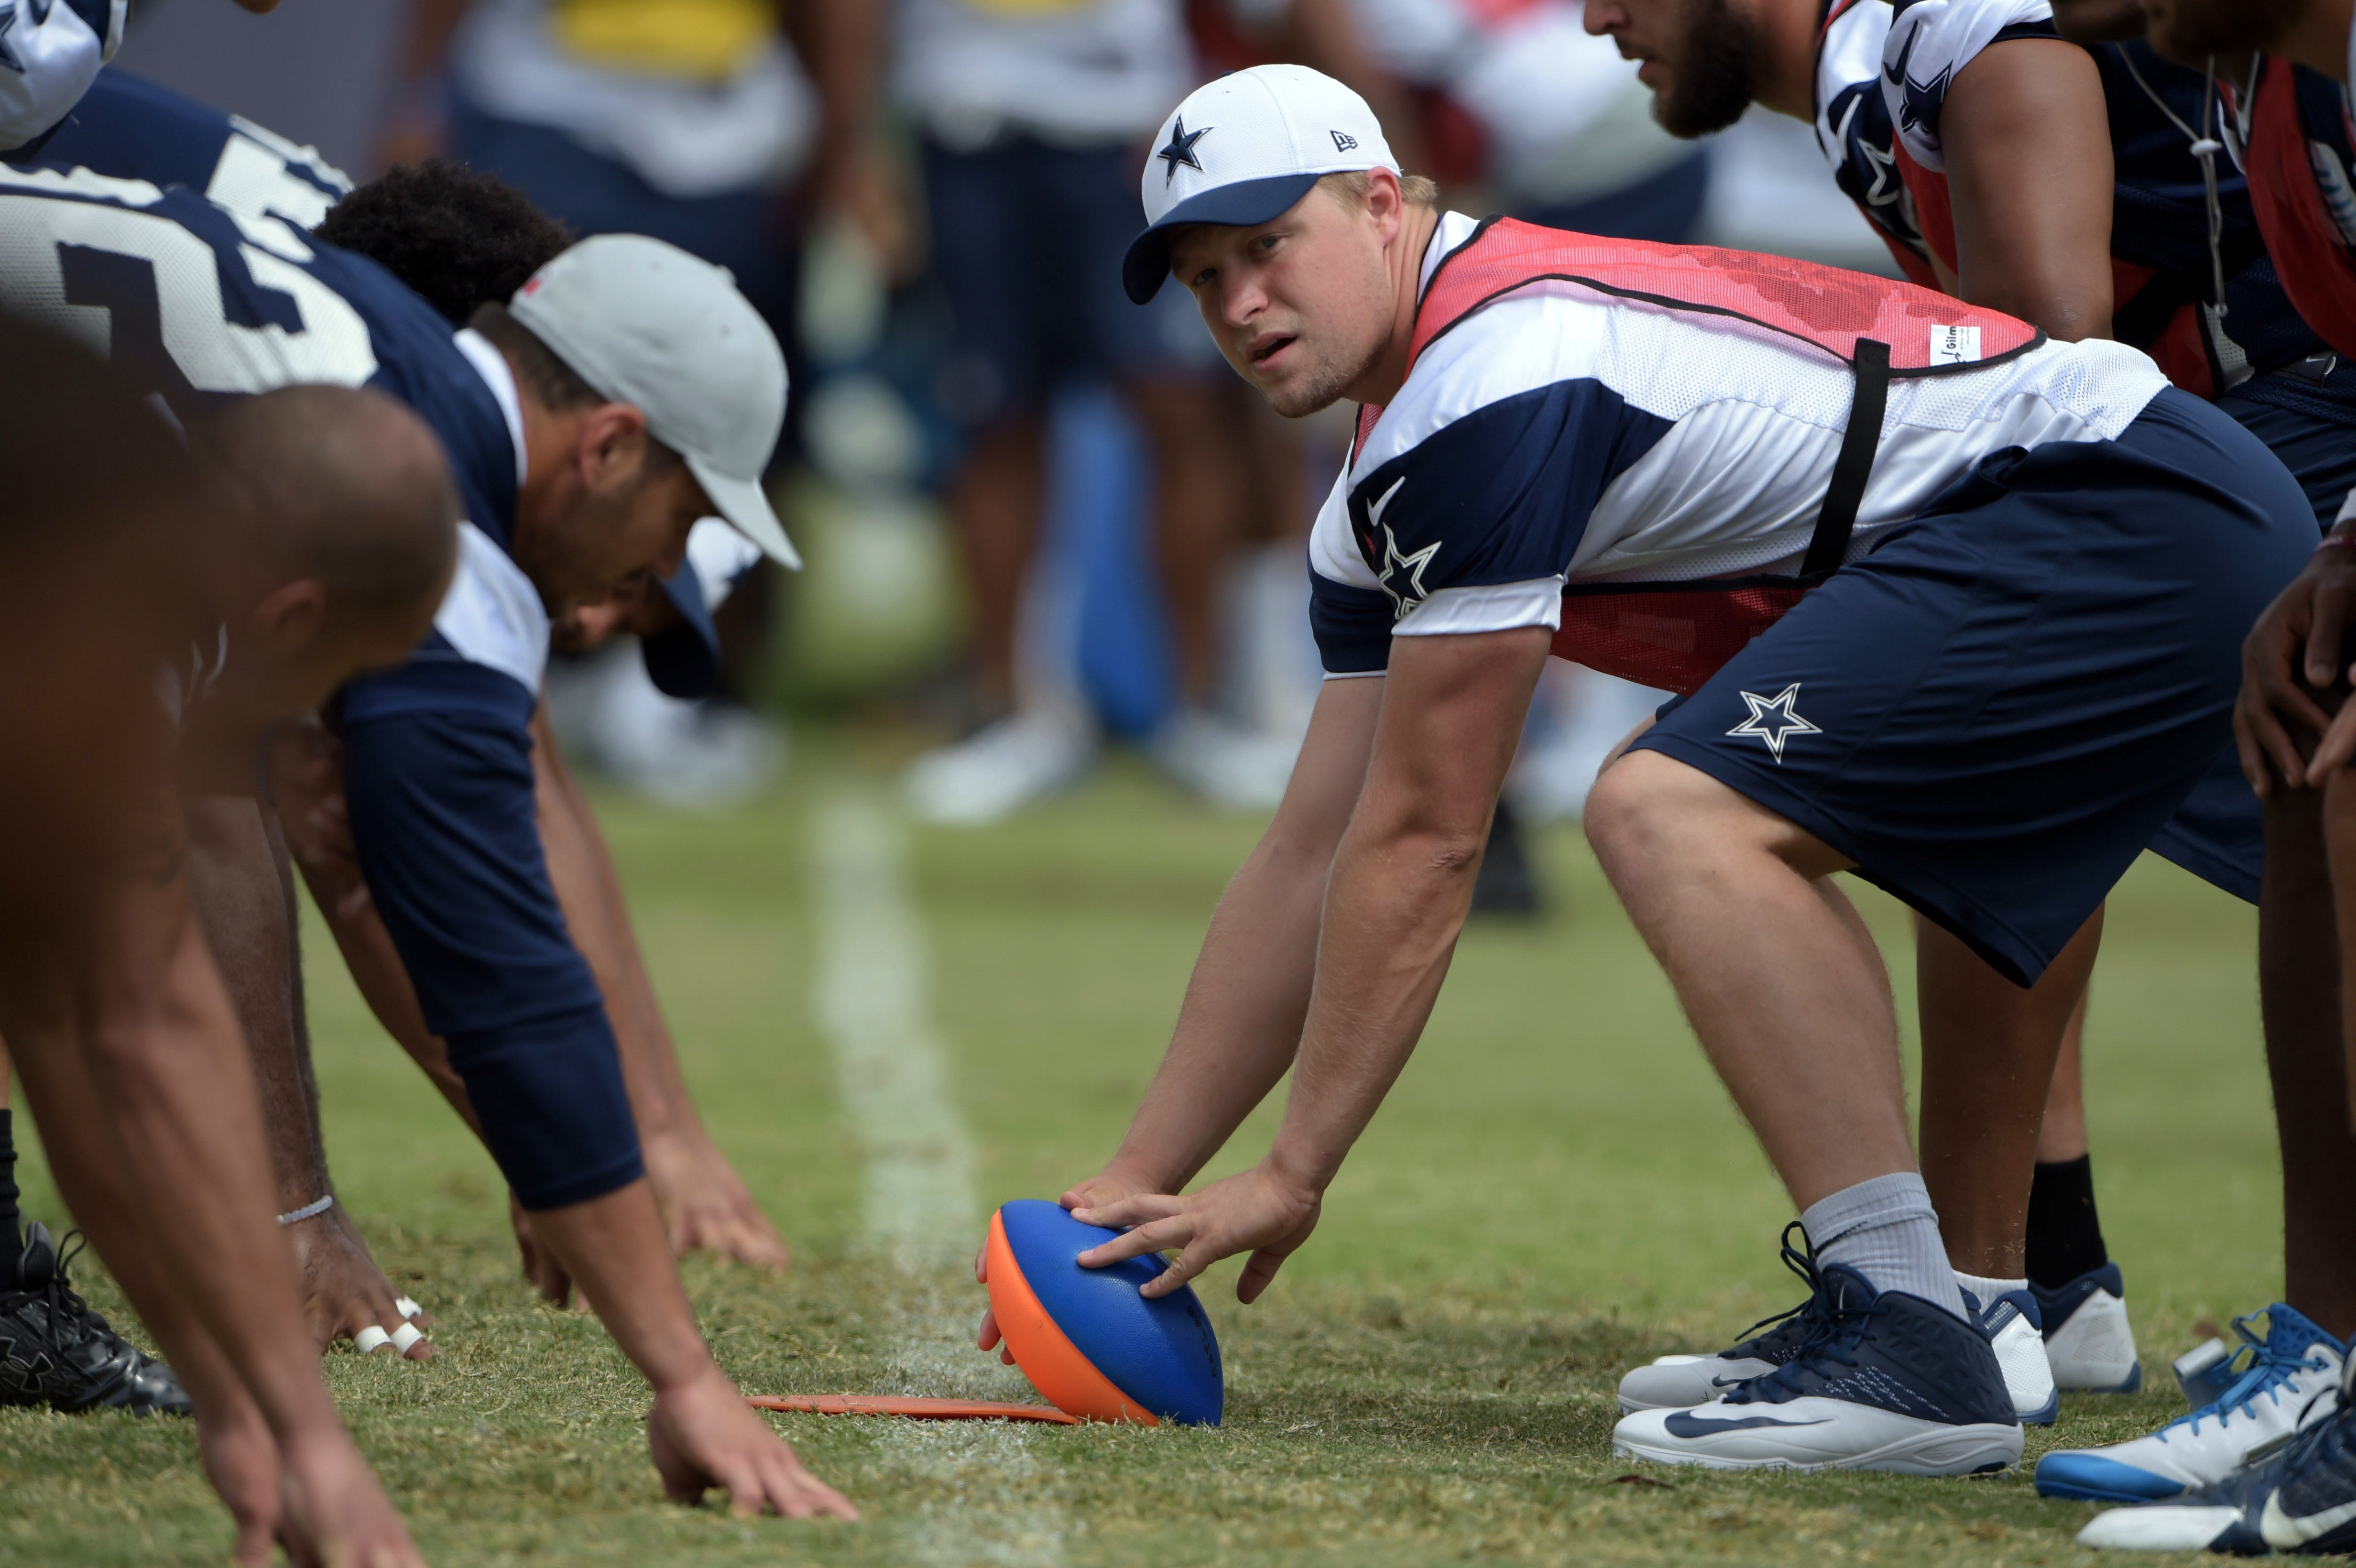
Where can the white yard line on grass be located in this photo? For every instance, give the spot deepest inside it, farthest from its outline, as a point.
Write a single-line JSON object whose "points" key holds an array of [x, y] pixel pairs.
{"points": [[922, 1214]]}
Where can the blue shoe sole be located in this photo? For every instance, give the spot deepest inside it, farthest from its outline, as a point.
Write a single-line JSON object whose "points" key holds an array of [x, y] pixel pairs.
{"points": [[2088, 1477], [2049, 1412]]}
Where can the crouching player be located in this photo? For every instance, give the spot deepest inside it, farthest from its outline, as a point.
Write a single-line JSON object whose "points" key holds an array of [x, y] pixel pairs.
{"points": [[1952, 606]]}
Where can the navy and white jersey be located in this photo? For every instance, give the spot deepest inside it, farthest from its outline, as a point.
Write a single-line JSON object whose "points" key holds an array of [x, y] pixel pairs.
{"points": [[200, 301], [132, 128], [51, 51], [1855, 133], [1558, 435]]}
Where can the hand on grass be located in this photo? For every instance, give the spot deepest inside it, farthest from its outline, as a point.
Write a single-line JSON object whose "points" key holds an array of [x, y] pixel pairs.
{"points": [[336, 1513], [1261, 1211], [702, 1435], [343, 1290], [2290, 663], [705, 1205], [241, 1460], [539, 1264]]}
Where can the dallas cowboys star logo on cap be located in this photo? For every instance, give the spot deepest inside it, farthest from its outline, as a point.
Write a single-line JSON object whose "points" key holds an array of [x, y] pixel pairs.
{"points": [[1181, 149], [1774, 719]]}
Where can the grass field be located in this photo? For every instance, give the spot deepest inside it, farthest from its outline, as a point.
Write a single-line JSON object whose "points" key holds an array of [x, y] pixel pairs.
{"points": [[1556, 1188]]}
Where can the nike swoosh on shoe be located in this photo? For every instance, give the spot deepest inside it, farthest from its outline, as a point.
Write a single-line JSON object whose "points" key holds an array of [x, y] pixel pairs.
{"points": [[2283, 1532], [1684, 1423]]}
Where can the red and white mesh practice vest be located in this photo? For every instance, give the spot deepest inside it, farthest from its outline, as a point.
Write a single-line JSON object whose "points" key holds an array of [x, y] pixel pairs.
{"points": [[1676, 635], [2310, 255]]}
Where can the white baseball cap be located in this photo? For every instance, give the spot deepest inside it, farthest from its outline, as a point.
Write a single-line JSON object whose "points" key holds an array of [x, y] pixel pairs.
{"points": [[1244, 148], [646, 324]]}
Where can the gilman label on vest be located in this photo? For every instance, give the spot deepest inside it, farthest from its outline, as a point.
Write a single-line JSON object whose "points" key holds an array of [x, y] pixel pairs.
{"points": [[1955, 345]]}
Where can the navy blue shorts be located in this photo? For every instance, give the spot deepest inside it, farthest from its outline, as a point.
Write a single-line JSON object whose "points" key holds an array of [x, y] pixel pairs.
{"points": [[1027, 243], [1994, 712], [2219, 834]]}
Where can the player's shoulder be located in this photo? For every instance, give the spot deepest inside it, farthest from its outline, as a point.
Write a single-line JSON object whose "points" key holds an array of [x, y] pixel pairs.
{"points": [[1929, 44], [49, 54]]}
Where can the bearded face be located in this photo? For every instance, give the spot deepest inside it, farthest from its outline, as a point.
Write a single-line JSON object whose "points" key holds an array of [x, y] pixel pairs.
{"points": [[1714, 71]]}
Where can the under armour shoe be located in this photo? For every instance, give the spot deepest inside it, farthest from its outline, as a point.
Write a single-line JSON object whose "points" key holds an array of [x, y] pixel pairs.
{"points": [[2300, 1500], [2089, 1345], [1884, 1381], [2017, 1334], [55, 1350], [1680, 1382], [2286, 1369]]}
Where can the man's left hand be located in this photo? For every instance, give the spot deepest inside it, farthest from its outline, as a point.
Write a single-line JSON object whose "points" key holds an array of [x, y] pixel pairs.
{"points": [[1261, 1211]]}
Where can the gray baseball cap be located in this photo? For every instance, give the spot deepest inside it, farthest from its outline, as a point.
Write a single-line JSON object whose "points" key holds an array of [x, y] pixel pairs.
{"points": [[646, 323]]}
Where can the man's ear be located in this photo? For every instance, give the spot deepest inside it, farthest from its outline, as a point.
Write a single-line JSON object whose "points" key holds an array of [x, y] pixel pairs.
{"points": [[292, 613], [1386, 203], [611, 445]]}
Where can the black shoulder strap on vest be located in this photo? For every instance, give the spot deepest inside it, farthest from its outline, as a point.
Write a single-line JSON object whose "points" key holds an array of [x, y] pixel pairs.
{"points": [[1829, 547]]}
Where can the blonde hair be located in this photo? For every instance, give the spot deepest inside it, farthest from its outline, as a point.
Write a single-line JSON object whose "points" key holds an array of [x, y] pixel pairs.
{"points": [[1420, 190]]}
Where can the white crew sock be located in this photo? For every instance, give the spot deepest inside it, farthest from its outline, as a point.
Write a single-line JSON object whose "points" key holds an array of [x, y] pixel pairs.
{"points": [[1886, 1230]]}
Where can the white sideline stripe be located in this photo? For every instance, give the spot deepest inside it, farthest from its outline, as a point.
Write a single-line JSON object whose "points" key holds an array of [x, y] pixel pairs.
{"points": [[871, 1000]]}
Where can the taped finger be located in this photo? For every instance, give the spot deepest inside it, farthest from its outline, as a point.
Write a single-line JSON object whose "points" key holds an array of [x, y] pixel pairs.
{"points": [[406, 1307], [370, 1340], [405, 1335]]}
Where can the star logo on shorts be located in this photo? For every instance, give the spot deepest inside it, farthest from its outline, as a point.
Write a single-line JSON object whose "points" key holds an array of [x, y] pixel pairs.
{"points": [[1774, 719], [1181, 149]]}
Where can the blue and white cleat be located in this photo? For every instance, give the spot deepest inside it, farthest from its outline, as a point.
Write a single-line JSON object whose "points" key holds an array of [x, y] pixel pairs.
{"points": [[2300, 1500], [1883, 1381], [2089, 1344], [2286, 1369], [2017, 1337]]}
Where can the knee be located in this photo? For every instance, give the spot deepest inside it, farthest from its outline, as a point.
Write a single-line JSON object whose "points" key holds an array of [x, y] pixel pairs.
{"points": [[1635, 814]]}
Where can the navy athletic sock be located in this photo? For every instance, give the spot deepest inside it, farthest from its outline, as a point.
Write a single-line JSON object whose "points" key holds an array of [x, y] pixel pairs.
{"points": [[10, 1245], [2065, 1234]]}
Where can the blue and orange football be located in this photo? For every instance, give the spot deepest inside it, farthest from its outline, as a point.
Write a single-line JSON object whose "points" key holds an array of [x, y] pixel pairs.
{"points": [[1085, 1337]]}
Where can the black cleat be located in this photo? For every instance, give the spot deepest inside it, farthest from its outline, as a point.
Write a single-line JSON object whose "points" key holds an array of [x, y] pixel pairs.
{"points": [[56, 1352]]}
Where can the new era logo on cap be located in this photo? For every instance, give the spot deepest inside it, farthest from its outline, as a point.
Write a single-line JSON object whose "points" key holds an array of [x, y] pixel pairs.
{"points": [[1244, 148]]}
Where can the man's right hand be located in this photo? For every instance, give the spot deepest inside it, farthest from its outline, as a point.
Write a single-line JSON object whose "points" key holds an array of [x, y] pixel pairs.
{"points": [[702, 1435], [540, 1263], [335, 1512], [2290, 663], [1110, 1185]]}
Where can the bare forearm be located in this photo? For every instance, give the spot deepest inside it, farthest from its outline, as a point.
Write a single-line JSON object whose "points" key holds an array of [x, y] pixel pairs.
{"points": [[241, 908], [1240, 1021], [1397, 902], [615, 1250], [186, 1126]]}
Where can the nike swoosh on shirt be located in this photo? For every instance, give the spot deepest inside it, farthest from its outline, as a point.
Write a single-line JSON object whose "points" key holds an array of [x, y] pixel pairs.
{"points": [[2281, 1530], [1681, 1423]]}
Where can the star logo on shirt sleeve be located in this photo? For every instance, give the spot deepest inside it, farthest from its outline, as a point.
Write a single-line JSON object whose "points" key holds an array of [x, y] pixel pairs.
{"points": [[1400, 576], [1774, 719], [1181, 149]]}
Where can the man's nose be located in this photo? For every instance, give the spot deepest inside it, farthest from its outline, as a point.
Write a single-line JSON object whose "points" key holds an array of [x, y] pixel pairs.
{"points": [[1602, 16]]}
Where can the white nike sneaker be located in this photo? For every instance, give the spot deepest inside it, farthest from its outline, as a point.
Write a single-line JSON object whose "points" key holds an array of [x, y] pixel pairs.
{"points": [[2018, 1337], [2298, 1500], [2088, 1340], [1034, 753], [1885, 1382], [1682, 1381], [2287, 1367]]}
